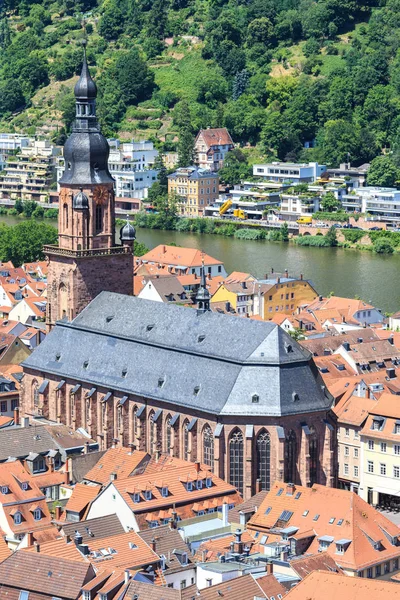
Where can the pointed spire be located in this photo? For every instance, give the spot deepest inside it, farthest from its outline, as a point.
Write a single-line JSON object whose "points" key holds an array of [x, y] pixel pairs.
{"points": [[203, 295], [85, 88]]}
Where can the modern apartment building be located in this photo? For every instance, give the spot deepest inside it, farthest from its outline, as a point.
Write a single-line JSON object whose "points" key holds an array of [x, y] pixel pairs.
{"points": [[10, 143], [195, 188], [381, 203], [303, 205], [28, 174], [290, 172]]}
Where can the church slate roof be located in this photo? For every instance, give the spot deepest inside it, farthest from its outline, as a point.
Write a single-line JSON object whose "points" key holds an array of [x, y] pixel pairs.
{"points": [[209, 362]]}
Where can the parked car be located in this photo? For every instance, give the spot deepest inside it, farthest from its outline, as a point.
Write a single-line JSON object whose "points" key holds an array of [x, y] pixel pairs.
{"points": [[375, 228]]}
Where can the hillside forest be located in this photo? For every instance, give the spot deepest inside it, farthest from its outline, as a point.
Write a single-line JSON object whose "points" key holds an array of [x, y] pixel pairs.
{"points": [[290, 79]]}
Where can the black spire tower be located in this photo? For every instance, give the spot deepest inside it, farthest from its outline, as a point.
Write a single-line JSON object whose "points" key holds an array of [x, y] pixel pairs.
{"points": [[86, 150], [203, 295]]}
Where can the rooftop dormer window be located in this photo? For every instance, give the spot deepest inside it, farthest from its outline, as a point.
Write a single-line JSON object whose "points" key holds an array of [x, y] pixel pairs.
{"points": [[37, 514], [17, 518], [161, 382], [164, 491], [189, 486], [4, 489], [208, 482], [148, 495], [199, 484], [255, 398], [24, 486], [136, 497]]}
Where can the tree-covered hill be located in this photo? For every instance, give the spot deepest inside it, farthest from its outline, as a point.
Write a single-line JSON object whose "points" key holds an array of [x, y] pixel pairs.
{"points": [[277, 73]]}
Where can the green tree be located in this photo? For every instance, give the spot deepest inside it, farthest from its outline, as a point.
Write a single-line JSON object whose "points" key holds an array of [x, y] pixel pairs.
{"points": [[186, 151], [284, 232], [329, 203], [235, 167], [260, 31], [134, 79], [11, 96], [139, 249], [382, 172], [330, 237], [162, 176], [24, 242], [112, 22], [383, 246]]}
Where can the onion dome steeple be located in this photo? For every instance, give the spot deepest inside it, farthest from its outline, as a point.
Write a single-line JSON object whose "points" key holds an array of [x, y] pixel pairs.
{"points": [[86, 150], [203, 295], [127, 233]]}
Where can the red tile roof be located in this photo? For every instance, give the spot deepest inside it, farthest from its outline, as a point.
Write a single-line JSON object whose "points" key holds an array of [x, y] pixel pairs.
{"points": [[121, 461]]}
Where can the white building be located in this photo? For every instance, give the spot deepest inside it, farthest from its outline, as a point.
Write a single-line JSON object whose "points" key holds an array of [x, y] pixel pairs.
{"points": [[10, 143], [381, 203], [131, 166], [290, 172], [302, 205]]}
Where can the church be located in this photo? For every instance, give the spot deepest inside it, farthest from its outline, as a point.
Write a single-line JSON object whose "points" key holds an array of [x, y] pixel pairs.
{"points": [[238, 395]]}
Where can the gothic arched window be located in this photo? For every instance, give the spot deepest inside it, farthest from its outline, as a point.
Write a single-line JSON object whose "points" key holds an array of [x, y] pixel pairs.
{"points": [[263, 446], [65, 213], [290, 457], [99, 218], [168, 435], [152, 433], [119, 418], [35, 391], [313, 452], [134, 424], [208, 447], [236, 460], [186, 440]]}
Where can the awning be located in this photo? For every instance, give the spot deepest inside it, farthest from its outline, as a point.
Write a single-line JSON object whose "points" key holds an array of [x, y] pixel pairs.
{"points": [[60, 385], [218, 430], [192, 423], [174, 419], [43, 386], [122, 400], [157, 415], [249, 431], [76, 388], [388, 491], [106, 397], [281, 432], [141, 411], [90, 393]]}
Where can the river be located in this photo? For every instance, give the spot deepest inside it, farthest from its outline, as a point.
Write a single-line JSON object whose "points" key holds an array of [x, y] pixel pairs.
{"points": [[372, 277]]}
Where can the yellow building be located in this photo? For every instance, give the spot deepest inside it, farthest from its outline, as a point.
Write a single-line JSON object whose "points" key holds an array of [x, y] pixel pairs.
{"points": [[237, 293], [283, 294], [380, 452], [195, 189]]}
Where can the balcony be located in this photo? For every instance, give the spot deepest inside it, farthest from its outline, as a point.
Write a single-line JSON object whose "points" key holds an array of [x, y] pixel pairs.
{"points": [[55, 250]]}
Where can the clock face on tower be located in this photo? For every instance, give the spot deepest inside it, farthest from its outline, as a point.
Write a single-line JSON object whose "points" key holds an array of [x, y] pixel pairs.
{"points": [[100, 194]]}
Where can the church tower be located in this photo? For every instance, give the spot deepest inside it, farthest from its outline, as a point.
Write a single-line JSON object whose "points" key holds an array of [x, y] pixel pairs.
{"points": [[87, 260]]}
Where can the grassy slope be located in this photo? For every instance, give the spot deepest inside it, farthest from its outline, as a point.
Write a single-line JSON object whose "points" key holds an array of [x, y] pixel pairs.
{"points": [[178, 70]]}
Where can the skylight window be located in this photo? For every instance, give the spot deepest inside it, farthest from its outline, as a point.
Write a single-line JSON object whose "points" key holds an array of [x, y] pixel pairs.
{"points": [[285, 516], [196, 390], [332, 520], [339, 522], [161, 381], [201, 338], [279, 492], [305, 513], [316, 518], [109, 318], [255, 398], [268, 510], [297, 496], [150, 327]]}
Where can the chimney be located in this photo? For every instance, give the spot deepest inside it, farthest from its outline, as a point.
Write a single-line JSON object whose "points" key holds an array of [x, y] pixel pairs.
{"points": [[346, 346], [197, 466], [269, 568], [84, 549], [126, 576], [258, 486], [225, 509], [113, 476], [209, 276], [16, 416], [153, 544], [29, 538], [174, 520], [301, 276], [284, 555], [238, 541], [58, 513], [289, 489], [391, 340], [286, 273], [78, 539], [272, 270], [391, 373], [227, 306], [320, 298], [37, 546], [25, 422], [67, 539], [278, 280], [87, 448]]}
